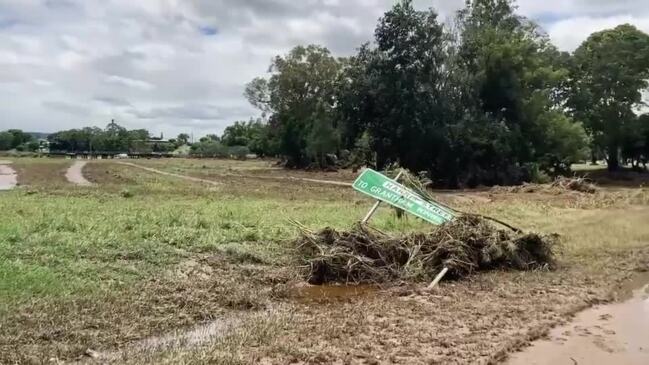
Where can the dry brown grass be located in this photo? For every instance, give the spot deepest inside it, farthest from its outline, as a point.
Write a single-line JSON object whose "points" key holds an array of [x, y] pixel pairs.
{"points": [[41, 173]]}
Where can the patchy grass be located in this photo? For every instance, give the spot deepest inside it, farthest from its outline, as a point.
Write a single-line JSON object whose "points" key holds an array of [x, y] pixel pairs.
{"points": [[217, 168], [37, 173], [92, 268]]}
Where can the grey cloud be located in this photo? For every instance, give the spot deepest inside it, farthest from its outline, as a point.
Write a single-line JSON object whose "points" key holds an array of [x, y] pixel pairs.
{"points": [[68, 108], [112, 101], [188, 112], [148, 64]]}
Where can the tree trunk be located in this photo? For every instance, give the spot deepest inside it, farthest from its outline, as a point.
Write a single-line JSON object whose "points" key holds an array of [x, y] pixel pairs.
{"points": [[613, 157], [593, 157], [380, 161]]}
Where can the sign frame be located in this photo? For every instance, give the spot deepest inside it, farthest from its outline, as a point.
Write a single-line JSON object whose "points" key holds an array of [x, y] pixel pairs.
{"points": [[384, 189]]}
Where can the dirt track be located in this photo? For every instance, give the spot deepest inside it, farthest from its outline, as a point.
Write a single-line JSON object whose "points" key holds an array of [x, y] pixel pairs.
{"points": [[8, 177], [75, 176], [184, 177], [276, 178]]}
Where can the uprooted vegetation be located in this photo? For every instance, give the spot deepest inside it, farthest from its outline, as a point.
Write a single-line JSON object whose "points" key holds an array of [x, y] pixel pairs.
{"points": [[558, 186], [465, 246]]}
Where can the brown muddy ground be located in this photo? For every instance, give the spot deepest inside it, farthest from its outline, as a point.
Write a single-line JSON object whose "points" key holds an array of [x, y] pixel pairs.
{"points": [[233, 310], [74, 174], [476, 321], [609, 334], [8, 179]]}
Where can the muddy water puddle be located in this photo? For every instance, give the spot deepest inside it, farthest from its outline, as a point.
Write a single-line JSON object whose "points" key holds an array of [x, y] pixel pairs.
{"points": [[8, 177], [609, 334], [333, 293]]}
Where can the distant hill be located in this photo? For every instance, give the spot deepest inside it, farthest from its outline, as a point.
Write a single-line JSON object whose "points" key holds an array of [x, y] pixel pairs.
{"points": [[38, 135]]}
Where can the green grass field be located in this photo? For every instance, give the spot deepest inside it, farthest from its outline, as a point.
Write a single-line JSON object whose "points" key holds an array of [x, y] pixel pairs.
{"points": [[141, 254]]}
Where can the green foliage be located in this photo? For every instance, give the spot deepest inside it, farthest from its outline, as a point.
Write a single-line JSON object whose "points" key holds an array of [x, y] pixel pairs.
{"points": [[210, 137], [17, 139], [182, 139], [301, 84], [208, 148], [31, 146], [488, 100], [610, 70], [253, 134], [323, 139], [114, 138], [211, 148], [564, 143], [6, 141]]}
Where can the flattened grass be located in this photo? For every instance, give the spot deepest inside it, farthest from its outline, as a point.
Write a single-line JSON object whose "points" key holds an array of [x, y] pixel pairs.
{"points": [[41, 172]]}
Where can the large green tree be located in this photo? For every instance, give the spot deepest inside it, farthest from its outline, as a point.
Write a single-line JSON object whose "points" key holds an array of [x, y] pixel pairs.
{"points": [[610, 71], [300, 83]]}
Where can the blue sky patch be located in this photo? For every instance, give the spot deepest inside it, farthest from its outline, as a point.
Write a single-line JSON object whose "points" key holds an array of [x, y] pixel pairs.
{"points": [[208, 30]]}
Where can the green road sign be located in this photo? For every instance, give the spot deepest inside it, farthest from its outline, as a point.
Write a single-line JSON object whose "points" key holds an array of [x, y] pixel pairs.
{"points": [[381, 187]]}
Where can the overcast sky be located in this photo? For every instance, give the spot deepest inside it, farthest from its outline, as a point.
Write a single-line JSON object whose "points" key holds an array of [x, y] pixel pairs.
{"points": [[181, 65]]}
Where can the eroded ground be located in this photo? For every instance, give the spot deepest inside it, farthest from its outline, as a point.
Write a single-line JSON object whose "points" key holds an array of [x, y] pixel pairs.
{"points": [[149, 268]]}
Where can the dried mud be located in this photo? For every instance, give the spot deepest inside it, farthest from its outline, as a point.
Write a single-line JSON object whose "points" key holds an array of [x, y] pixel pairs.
{"points": [[8, 177], [74, 174]]}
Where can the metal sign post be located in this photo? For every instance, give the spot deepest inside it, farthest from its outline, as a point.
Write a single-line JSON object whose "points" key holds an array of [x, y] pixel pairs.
{"points": [[378, 203]]}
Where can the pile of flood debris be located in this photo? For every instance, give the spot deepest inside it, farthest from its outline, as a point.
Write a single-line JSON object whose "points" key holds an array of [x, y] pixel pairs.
{"points": [[466, 245], [558, 186]]}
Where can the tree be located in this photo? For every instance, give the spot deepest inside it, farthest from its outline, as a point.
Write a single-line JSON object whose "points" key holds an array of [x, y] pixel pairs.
{"points": [[114, 138], [300, 81], [611, 69], [516, 77], [210, 137], [237, 134], [393, 91], [182, 139], [19, 137], [209, 148], [6, 141], [323, 139]]}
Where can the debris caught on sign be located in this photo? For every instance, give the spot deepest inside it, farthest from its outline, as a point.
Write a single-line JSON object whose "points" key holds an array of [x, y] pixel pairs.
{"points": [[467, 245]]}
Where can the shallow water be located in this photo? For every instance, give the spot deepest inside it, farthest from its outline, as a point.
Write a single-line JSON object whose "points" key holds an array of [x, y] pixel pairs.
{"points": [[609, 334], [332, 293], [8, 177]]}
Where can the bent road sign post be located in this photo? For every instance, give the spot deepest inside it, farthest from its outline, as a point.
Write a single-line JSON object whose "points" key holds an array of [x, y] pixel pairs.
{"points": [[382, 188]]}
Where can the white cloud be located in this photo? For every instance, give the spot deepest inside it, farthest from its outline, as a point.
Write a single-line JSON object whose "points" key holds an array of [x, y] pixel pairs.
{"points": [[568, 34], [125, 81], [181, 65]]}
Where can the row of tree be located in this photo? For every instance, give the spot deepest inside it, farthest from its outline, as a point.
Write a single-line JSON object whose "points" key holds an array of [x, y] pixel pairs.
{"points": [[485, 100], [18, 140], [114, 138], [238, 140]]}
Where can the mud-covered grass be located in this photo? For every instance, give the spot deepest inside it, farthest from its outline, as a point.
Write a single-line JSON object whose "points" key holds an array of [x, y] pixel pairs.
{"points": [[37, 173], [143, 255], [216, 168]]}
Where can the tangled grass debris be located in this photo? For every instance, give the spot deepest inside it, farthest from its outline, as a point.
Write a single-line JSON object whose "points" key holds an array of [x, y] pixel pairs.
{"points": [[465, 246], [558, 186]]}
